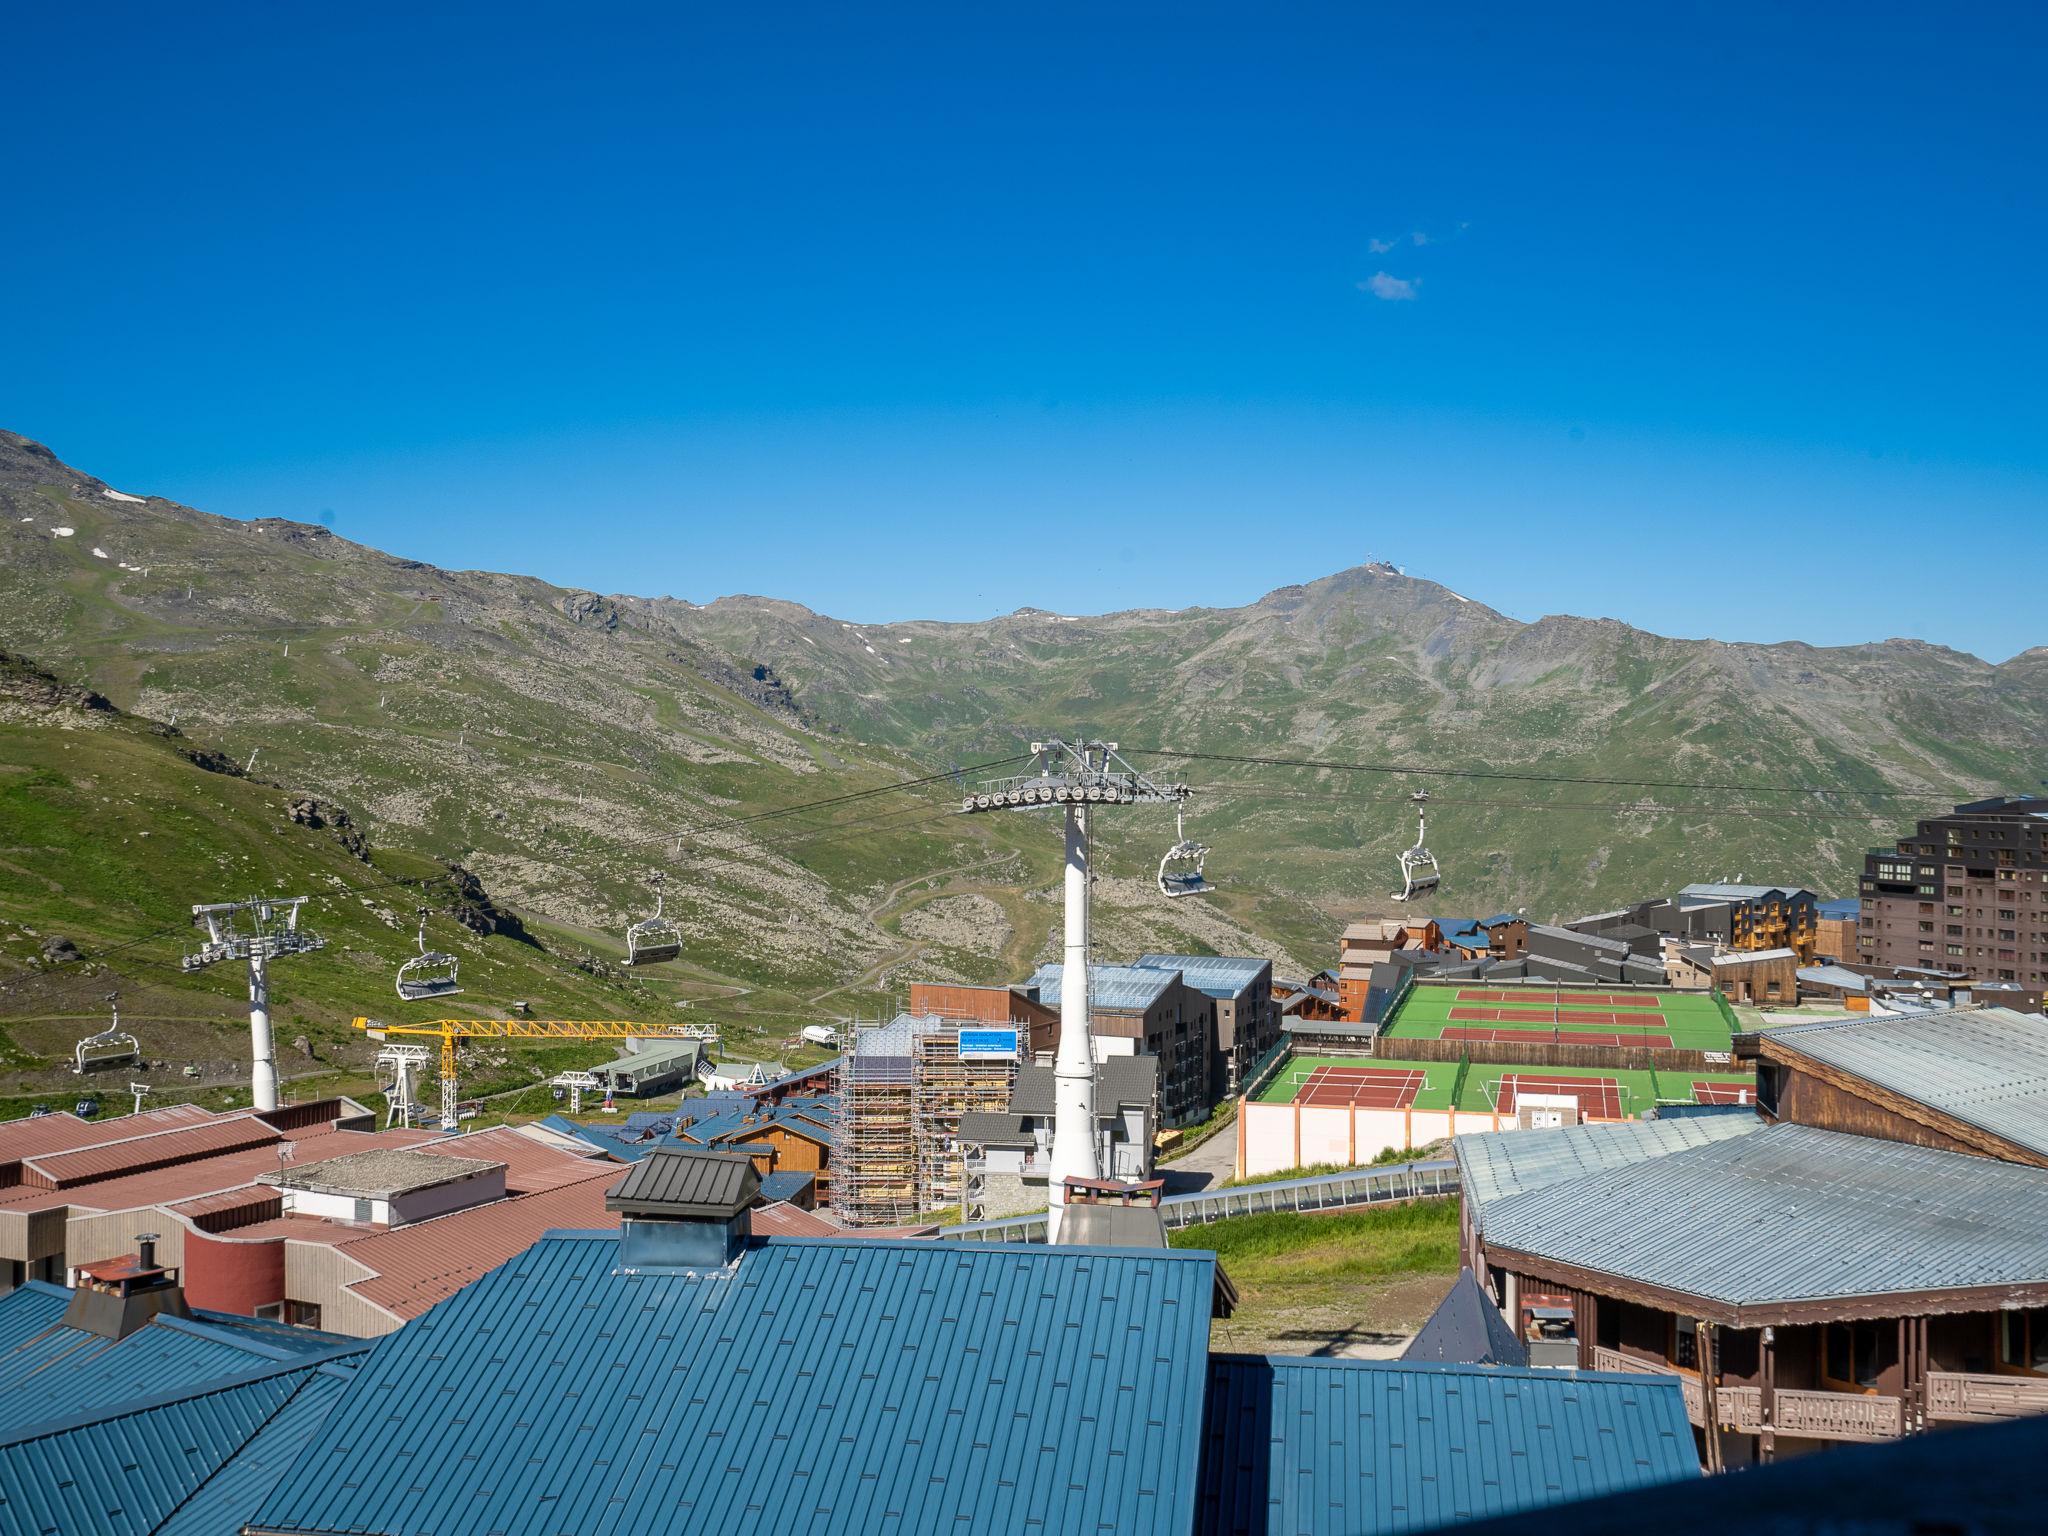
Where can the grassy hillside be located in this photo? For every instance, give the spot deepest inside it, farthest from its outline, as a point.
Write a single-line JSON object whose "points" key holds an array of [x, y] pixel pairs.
{"points": [[562, 746]]}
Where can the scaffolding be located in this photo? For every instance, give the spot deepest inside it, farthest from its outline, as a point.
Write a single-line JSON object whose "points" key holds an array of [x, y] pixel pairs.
{"points": [[874, 1167], [903, 1087], [949, 1086]]}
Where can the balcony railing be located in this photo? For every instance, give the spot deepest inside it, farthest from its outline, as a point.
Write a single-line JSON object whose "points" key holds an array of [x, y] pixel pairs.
{"points": [[1837, 1415], [1960, 1396], [1811, 1415]]}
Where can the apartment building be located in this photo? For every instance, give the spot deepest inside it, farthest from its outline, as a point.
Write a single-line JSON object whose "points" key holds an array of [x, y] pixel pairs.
{"points": [[1966, 891]]}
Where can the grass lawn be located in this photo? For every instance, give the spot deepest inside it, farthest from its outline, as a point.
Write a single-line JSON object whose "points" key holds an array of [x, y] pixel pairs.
{"points": [[1351, 1284]]}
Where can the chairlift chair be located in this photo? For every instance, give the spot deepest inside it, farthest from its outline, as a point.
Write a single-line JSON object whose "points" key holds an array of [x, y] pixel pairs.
{"points": [[1419, 872], [112, 1046], [429, 973], [654, 939], [1180, 872]]}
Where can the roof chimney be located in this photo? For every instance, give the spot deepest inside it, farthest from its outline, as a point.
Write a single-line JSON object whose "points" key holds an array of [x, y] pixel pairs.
{"points": [[684, 1209], [119, 1296]]}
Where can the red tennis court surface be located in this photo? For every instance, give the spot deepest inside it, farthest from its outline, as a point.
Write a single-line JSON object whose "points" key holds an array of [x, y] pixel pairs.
{"points": [[1722, 1093], [1362, 1087], [1555, 1016], [1555, 1037], [1599, 1097], [1634, 999]]}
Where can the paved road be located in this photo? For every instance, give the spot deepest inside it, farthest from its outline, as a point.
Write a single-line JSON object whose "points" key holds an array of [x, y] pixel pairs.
{"points": [[1211, 1163]]}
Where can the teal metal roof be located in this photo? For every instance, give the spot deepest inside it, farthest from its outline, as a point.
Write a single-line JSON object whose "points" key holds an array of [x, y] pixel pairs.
{"points": [[51, 1372], [821, 1385], [1363, 1448], [195, 1460]]}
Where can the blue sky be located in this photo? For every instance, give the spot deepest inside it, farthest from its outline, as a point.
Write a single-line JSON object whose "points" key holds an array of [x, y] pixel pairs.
{"points": [[1722, 320]]}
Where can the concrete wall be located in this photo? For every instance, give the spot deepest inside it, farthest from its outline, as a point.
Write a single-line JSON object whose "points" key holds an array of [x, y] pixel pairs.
{"points": [[1273, 1138]]}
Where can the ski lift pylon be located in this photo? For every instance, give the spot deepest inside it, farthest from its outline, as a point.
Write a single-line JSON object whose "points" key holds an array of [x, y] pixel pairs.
{"points": [[112, 1046], [429, 973], [1419, 871], [654, 939], [1180, 872]]}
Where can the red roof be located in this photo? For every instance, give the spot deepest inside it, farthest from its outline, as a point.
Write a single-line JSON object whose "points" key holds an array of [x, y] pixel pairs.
{"points": [[38, 1134], [428, 1261], [154, 1149]]}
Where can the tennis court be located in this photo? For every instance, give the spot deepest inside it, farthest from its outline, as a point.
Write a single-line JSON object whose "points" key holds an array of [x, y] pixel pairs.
{"points": [[1634, 1019], [1349, 1081], [1708, 1091], [1441, 1010], [1553, 1036], [1599, 1098]]}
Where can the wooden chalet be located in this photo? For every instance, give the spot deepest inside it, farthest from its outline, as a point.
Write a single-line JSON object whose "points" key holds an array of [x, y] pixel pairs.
{"points": [[1865, 1258]]}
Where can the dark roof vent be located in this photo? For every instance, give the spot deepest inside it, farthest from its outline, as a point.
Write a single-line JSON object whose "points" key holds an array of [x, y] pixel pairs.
{"points": [[118, 1297], [684, 1209]]}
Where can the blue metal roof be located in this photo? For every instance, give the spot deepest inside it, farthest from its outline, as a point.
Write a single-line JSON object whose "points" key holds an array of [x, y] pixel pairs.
{"points": [[231, 1495], [1132, 987], [1363, 1448], [50, 1372], [786, 1183], [194, 1461], [1840, 907], [1217, 975], [821, 1385]]}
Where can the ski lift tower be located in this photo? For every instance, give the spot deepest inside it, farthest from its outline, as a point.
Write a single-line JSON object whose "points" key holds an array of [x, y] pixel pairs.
{"points": [[1078, 777], [258, 930]]}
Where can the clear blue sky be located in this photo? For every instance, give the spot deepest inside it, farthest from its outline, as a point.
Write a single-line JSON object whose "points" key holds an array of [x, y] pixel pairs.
{"points": [[1721, 320]]}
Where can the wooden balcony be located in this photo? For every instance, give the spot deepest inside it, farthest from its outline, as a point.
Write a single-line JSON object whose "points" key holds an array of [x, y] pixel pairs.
{"points": [[1963, 1398], [1838, 1415], [1810, 1415]]}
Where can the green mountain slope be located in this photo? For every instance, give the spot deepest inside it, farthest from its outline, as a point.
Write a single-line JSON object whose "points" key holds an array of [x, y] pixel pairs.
{"points": [[562, 745], [559, 745]]}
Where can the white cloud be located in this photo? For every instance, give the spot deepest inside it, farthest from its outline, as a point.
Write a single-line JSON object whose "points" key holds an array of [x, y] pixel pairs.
{"points": [[1383, 285], [1420, 237], [1379, 247]]}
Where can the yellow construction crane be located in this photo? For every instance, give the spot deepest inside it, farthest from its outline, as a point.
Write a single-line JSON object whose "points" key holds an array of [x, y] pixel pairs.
{"points": [[448, 1031]]}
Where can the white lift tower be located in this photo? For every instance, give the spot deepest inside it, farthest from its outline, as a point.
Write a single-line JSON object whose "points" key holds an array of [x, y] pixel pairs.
{"points": [[258, 930], [1079, 777]]}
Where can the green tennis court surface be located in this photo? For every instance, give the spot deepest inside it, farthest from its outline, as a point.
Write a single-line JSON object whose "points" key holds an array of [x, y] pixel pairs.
{"points": [[1686, 1021], [1379, 1082]]}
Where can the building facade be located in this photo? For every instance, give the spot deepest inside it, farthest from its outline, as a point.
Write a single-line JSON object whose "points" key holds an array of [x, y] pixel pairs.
{"points": [[1966, 891]]}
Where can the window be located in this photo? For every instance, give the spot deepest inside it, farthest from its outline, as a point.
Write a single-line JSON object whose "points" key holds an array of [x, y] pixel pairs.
{"points": [[1685, 1344], [271, 1311], [2023, 1342], [1928, 890], [1853, 1356], [302, 1314]]}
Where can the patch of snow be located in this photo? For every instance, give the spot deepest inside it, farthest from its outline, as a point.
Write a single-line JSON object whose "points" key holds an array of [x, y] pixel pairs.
{"points": [[113, 495], [28, 519], [807, 640], [868, 648], [1066, 618], [100, 554], [904, 641], [1460, 599], [63, 533]]}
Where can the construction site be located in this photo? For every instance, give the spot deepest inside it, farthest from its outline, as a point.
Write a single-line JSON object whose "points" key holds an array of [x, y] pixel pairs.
{"points": [[903, 1087]]}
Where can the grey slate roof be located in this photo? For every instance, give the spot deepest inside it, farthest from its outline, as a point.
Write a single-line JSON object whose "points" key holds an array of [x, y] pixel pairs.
{"points": [[1790, 1214], [1130, 988], [1499, 1164], [1222, 976], [1708, 891], [988, 1129], [1987, 1067], [683, 1181], [1119, 1081], [1466, 1329]]}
